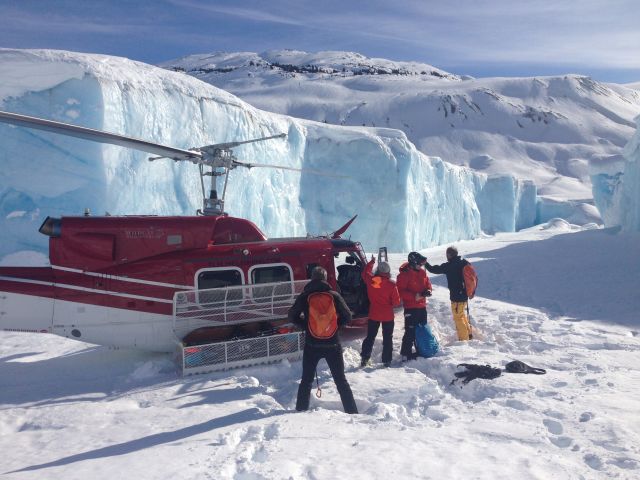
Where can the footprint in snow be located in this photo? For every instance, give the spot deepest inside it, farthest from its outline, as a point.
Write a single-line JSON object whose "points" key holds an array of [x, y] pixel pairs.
{"points": [[553, 426], [517, 405], [556, 430], [593, 461], [625, 463], [561, 442], [545, 393], [272, 431], [585, 417]]}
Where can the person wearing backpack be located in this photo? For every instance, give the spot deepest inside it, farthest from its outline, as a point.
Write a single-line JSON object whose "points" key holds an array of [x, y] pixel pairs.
{"points": [[324, 312], [456, 269], [383, 297], [414, 287]]}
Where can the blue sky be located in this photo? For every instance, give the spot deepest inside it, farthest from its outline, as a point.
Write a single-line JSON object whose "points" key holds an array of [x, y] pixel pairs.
{"points": [[600, 38]]}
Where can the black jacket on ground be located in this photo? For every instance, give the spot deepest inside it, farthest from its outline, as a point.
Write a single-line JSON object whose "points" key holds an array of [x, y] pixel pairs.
{"points": [[455, 281], [301, 306]]}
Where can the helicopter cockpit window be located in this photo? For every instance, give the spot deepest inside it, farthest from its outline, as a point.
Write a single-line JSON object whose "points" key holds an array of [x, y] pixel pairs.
{"points": [[220, 279], [280, 274]]}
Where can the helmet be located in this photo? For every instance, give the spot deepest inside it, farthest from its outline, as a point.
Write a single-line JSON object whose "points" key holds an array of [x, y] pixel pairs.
{"points": [[383, 267], [416, 259]]}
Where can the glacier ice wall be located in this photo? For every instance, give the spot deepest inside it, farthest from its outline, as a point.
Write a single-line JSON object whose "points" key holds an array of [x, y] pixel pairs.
{"points": [[404, 199], [616, 186]]}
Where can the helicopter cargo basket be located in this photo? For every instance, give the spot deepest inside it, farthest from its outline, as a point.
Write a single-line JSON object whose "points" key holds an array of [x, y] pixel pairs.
{"points": [[251, 321]]}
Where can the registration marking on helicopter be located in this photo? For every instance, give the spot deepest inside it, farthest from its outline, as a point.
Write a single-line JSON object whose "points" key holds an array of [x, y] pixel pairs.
{"points": [[85, 289]]}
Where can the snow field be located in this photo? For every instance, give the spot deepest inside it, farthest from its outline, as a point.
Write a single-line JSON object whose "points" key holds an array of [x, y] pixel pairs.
{"points": [[69, 410]]}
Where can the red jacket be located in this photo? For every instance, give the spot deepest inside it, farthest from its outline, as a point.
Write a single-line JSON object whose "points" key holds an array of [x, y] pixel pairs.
{"points": [[383, 294], [411, 283]]}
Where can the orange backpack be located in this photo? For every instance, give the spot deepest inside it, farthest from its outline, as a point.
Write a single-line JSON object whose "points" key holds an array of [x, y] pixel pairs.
{"points": [[470, 280], [323, 318]]}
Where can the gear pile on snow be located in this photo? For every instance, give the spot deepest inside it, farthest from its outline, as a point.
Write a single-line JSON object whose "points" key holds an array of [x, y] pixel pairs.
{"points": [[473, 371], [517, 366]]}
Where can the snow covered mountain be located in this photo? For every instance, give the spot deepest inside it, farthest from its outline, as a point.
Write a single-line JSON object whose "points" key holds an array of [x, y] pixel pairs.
{"points": [[544, 129], [404, 199]]}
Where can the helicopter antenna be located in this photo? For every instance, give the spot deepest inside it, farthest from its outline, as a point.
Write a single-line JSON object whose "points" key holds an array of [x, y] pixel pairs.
{"points": [[218, 157]]}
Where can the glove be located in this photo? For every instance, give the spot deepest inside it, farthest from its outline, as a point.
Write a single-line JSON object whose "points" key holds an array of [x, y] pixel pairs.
{"points": [[426, 293]]}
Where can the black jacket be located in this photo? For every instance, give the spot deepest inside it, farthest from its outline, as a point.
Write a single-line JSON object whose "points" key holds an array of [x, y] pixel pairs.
{"points": [[301, 306], [455, 281]]}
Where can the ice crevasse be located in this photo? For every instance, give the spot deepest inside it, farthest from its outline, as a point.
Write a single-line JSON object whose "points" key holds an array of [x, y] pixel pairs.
{"points": [[404, 199]]}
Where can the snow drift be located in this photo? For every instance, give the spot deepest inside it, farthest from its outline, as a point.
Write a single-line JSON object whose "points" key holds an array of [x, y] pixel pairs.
{"points": [[404, 199]]}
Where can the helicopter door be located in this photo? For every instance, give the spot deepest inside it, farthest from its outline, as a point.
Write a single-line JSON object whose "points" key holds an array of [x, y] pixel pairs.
{"points": [[349, 270]]}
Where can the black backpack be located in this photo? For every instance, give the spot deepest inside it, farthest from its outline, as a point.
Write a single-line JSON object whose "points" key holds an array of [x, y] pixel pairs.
{"points": [[473, 371], [520, 367]]}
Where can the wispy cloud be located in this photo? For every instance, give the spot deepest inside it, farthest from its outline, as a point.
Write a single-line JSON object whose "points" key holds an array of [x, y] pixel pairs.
{"points": [[247, 14], [70, 23], [592, 34]]}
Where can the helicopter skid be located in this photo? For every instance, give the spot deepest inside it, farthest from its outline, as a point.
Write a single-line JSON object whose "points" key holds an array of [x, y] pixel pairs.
{"points": [[241, 353]]}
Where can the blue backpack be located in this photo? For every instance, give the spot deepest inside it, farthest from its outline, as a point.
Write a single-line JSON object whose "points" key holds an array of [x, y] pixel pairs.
{"points": [[426, 342]]}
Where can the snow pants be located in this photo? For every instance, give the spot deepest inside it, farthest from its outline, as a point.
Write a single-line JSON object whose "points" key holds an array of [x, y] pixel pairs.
{"points": [[412, 317], [461, 320], [333, 355], [387, 340]]}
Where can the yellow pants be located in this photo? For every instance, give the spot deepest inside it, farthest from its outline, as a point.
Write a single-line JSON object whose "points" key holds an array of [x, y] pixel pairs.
{"points": [[461, 320]]}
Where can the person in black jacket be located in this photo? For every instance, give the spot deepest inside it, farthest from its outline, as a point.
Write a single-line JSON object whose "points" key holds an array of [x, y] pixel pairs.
{"points": [[315, 348], [457, 293]]}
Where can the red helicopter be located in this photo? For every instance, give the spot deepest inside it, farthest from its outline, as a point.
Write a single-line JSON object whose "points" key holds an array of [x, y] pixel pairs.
{"points": [[157, 282]]}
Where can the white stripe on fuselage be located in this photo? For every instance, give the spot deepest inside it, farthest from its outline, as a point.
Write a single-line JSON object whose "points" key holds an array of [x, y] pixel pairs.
{"points": [[85, 289], [122, 279]]}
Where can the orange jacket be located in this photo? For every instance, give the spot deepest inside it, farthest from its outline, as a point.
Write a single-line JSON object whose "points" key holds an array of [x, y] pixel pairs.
{"points": [[411, 284], [383, 294]]}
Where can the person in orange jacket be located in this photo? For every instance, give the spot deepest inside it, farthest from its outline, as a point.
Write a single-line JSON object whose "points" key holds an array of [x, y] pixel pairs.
{"points": [[383, 297], [414, 287]]}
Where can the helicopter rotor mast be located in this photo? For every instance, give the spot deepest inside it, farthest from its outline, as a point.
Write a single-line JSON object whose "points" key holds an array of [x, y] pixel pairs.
{"points": [[220, 156]]}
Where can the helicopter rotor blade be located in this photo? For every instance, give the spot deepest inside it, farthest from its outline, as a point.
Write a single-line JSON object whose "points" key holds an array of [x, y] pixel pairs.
{"points": [[98, 136], [230, 145], [282, 167]]}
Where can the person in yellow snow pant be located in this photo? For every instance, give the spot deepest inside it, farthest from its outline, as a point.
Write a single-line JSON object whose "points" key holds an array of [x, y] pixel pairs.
{"points": [[453, 269], [461, 320]]}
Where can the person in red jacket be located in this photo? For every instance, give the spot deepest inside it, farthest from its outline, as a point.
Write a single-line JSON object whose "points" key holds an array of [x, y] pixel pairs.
{"points": [[414, 287], [383, 297]]}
